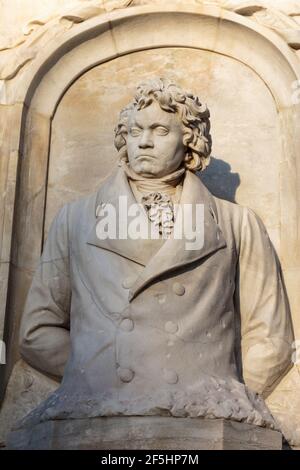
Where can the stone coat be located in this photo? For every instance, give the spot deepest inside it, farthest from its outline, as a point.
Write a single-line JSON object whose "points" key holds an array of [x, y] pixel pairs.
{"points": [[145, 327]]}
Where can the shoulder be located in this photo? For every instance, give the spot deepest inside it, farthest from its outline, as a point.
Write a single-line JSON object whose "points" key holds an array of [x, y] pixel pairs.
{"points": [[229, 214], [81, 212], [74, 209], [85, 205], [240, 222], [235, 214], [80, 206]]}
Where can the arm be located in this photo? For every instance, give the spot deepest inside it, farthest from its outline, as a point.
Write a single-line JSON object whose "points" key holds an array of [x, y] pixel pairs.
{"points": [[266, 329], [44, 333]]}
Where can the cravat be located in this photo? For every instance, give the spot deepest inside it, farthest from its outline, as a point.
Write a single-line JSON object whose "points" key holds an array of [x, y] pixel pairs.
{"points": [[160, 210], [158, 196]]}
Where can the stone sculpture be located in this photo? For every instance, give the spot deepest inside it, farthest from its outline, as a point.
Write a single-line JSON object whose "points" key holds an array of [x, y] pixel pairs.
{"points": [[142, 326]]}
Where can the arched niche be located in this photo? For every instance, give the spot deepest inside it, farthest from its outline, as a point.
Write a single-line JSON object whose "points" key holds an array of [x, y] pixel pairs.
{"points": [[36, 96]]}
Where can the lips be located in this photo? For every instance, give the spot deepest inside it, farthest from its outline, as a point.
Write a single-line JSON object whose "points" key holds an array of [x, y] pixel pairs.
{"points": [[144, 156]]}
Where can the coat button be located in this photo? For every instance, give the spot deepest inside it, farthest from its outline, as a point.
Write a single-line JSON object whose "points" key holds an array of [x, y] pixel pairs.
{"points": [[171, 327], [170, 376], [178, 288], [128, 282], [127, 324], [126, 375]]}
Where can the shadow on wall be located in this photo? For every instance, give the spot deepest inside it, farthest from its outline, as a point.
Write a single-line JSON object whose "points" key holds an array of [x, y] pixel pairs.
{"points": [[219, 179]]}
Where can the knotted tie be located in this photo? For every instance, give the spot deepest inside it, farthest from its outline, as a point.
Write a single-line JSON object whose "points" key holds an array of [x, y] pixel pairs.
{"points": [[157, 195], [160, 210]]}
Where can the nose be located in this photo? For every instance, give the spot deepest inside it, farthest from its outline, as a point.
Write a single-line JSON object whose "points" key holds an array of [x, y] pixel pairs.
{"points": [[146, 140]]}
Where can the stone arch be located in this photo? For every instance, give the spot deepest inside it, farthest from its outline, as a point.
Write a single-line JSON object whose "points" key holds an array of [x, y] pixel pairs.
{"points": [[34, 96]]}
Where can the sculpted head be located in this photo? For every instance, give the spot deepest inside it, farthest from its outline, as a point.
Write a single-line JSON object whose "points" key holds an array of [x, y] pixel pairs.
{"points": [[162, 129]]}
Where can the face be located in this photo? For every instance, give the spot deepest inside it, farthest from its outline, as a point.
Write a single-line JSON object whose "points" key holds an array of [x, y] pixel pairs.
{"points": [[155, 142]]}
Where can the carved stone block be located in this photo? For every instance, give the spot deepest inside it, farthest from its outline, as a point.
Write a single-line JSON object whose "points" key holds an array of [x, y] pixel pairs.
{"points": [[145, 432]]}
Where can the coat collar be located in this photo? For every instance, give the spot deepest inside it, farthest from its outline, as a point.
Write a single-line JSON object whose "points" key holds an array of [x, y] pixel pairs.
{"points": [[159, 256], [140, 251]]}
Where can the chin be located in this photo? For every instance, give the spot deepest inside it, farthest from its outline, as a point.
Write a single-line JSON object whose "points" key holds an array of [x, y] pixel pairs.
{"points": [[146, 171], [147, 174]]}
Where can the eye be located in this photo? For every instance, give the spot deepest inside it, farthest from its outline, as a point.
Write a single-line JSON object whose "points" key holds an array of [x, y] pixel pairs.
{"points": [[135, 131], [161, 130]]}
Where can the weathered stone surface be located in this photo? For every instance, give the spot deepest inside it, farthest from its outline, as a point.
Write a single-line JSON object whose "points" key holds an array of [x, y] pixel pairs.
{"points": [[27, 387], [284, 403], [103, 374], [278, 207], [146, 433], [9, 135]]}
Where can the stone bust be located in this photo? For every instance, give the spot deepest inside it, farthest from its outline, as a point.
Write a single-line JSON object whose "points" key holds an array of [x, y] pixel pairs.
{"points": [[141, 326]]}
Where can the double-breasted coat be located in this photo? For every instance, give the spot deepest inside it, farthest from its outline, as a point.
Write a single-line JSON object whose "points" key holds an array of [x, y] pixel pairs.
{"points": [[143, 327]]}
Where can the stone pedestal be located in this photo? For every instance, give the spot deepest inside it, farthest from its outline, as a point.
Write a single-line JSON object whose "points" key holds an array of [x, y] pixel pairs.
{"points": [[148, 432]]}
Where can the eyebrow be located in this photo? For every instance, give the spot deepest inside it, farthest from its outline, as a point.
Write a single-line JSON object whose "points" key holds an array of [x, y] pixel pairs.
{"points": [[153, 126], [158, 124], [135, 123]]}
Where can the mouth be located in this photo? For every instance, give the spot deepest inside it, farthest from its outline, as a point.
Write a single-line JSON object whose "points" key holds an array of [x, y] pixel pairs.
{"points": [[144, 156]]}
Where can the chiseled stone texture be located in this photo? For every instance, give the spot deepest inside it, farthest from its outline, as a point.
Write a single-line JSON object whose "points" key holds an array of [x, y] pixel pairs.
{"points": [[163, 433]]}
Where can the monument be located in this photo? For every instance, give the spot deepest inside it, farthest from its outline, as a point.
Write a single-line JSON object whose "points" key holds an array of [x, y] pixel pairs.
{"points": [[161, 306]]}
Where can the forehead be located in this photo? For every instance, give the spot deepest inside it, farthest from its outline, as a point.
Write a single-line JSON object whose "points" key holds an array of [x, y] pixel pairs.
{"points": [[153, 114]]}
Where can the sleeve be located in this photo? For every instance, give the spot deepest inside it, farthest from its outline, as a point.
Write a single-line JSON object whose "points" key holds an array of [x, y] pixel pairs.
{"points": [[44, 332], [266, 327]]}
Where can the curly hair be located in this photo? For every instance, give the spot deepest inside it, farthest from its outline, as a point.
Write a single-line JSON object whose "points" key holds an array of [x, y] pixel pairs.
{"points": [[193, 114]]}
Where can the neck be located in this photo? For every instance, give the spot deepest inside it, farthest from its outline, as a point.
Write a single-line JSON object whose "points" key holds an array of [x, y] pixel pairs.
{"points": [[165, 183]]}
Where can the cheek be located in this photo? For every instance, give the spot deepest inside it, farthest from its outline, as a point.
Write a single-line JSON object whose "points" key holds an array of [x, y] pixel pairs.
{"points": [[175, 149], [167, 145], [181, 149], [131, 147]]}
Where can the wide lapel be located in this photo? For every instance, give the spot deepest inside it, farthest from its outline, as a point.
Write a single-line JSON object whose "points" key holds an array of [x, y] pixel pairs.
{"points": [[138, 250], [174, 253]]}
